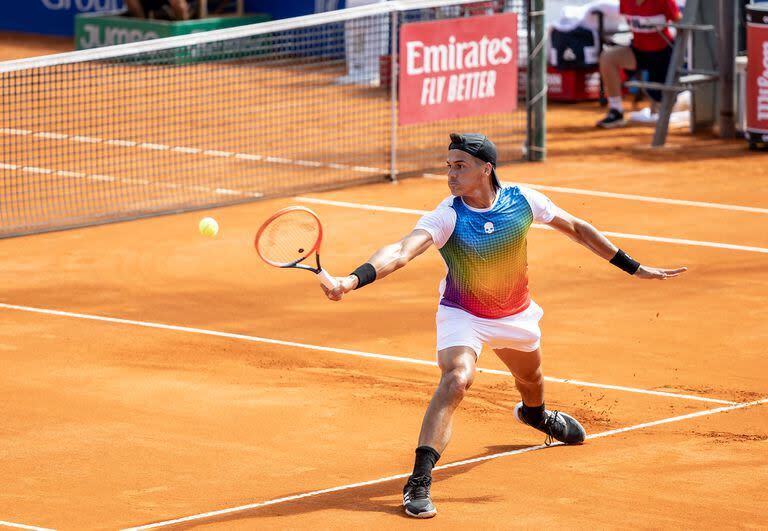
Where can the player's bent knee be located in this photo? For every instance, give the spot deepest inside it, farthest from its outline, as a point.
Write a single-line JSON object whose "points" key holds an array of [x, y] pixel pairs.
{"points": [[532, 378], [456, 384]]}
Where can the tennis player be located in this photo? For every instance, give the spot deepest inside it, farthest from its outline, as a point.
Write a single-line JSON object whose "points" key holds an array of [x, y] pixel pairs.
{"points": [[480, 231]]}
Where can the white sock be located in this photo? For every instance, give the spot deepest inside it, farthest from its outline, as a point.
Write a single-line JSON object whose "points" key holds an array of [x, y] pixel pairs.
{"points": [[614, 102]]}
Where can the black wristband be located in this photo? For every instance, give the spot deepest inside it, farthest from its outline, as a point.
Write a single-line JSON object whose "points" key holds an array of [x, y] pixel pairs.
{"points": [[625, 262], [365, 274]]}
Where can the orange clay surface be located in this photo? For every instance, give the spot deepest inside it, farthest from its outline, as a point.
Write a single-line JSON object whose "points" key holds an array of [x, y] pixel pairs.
{"points": [[20, 45], [109, 425]]}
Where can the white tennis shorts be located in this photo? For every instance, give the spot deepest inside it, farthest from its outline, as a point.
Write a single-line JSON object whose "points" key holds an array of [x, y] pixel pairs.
{"points": [[457, 328]]}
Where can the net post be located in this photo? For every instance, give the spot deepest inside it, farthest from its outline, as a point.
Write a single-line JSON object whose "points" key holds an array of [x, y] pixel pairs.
{"points": [[393, 28], [726, 57], [536, 79]]}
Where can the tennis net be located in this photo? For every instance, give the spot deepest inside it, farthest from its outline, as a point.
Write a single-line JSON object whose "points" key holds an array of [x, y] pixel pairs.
{"points": [[222, 117]]}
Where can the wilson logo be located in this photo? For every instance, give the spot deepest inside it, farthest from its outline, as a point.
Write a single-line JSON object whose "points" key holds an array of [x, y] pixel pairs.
{"points": [[762, 86]]}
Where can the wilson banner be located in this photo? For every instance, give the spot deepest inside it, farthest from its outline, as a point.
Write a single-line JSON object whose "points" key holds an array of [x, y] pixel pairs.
{"points": [[757, 73]]}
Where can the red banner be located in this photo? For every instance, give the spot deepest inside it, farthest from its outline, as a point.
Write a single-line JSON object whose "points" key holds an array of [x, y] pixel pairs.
{"points": [[757, 71], [458, 67]]}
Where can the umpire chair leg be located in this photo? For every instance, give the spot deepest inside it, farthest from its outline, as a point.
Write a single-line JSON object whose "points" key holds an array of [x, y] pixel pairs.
{"points": [[662, 124]]}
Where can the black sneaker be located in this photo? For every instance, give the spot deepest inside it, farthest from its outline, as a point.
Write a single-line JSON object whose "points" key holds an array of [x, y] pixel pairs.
{"points": [[416, 499], [557, 425], [613, 119]]}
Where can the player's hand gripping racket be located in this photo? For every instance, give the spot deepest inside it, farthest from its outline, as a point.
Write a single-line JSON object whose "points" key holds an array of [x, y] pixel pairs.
{"points": [[289, 237]]}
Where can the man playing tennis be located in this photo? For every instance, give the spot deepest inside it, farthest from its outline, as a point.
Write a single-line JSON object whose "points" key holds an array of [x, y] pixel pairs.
{"points": [[480, 231]]}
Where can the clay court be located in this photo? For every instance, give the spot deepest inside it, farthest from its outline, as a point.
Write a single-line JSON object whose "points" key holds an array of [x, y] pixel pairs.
{"points": [[153, 375]]}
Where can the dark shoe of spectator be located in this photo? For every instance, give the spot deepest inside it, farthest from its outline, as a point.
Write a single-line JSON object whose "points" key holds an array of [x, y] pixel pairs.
{"points": [[613, 119]]}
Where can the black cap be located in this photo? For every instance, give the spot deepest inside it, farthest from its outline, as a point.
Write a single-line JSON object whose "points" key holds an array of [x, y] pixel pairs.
{"points": [[478, 146]]}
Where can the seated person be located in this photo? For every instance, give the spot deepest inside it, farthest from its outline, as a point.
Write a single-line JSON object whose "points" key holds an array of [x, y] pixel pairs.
{"points": [[159, 9], [651, 50]]}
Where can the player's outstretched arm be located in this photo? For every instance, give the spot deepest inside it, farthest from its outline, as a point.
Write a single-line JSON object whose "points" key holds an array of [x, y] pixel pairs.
{"points": [[383, 262], [582, 232]]}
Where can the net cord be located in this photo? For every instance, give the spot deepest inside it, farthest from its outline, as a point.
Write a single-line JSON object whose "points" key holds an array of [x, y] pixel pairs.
{"points": [[173, 130], [316, 19]]}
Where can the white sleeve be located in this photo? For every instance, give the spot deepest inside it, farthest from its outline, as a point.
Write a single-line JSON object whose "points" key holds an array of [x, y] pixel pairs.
{"points": [[542, 206], [439, 224]]}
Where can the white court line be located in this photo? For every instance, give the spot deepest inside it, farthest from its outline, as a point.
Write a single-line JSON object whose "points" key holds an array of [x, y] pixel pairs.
{"points": [[648, 199], [23, 526], [130, 180], [217, 153], [123, 143], [631, 197], [65, 173], [55, 136], [366, 169], [182, 149], [276, 501], [193, 151], [248, 156], [35, 169], [86, 139], [582, 383], [361, 206], [347, 352], [310, 163], [156, 147], [282, 160], [372, 170], [140, 182], [679, 241], [19, 132], [226, 191]]}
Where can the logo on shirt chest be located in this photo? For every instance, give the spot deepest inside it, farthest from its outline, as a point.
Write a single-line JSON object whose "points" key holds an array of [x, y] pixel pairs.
{"points": [[488, 227]]}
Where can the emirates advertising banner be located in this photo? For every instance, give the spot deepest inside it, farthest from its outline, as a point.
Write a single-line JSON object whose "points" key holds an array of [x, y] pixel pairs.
{"points": [[459, 67], [757, 72]]}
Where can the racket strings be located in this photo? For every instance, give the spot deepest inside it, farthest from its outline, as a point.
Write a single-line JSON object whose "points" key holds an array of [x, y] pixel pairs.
{"points": [[289, 238]]}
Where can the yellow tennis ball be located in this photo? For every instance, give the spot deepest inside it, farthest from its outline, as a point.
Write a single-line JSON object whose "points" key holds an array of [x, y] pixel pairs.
{"points": [[209, 227]]}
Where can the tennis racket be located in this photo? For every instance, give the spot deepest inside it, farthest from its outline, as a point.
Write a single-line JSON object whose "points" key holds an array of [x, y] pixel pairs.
{"points": [[289, 237]]}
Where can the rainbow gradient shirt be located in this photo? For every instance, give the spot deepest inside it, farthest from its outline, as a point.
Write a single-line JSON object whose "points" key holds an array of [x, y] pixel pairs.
{"points": [[485, 250]]}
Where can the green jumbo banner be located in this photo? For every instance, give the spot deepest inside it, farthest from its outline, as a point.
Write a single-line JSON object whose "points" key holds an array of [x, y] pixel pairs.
{"points": [[93, 30]]}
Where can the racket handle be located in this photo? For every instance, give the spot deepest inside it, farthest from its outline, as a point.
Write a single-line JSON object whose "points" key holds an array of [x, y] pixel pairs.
{"points": [[327, 280]]}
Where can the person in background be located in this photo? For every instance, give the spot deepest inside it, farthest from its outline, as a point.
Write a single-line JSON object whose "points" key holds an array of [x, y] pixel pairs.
{"points": [[651, 50], [159, 9]]}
